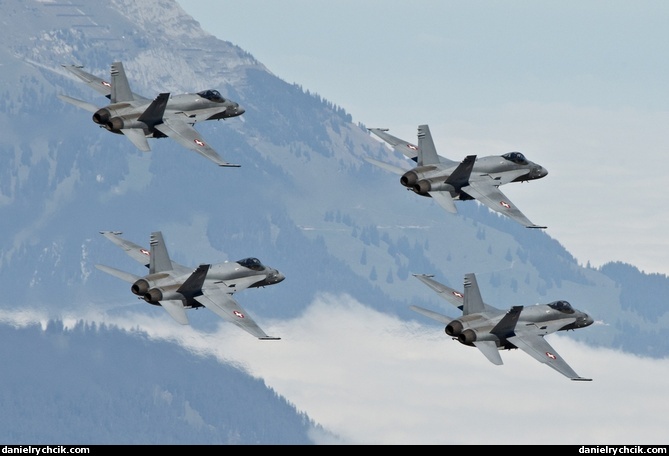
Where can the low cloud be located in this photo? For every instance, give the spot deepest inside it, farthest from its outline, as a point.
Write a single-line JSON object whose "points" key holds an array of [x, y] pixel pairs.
{"points": [[371, 378]]}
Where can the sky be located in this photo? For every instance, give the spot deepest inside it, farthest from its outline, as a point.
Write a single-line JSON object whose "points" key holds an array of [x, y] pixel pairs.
{"points": [[578, 87], [395, 382]]}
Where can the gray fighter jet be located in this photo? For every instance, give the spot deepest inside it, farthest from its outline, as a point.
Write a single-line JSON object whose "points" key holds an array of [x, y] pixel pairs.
{"points": [[177, 288], [474, 178], [139, 118], [490, 329]]}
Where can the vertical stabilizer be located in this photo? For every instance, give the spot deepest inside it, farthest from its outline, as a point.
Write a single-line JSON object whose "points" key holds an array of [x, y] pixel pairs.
{"points": [[427, 153], [472, 302], [154, 113], [120, 89], [160, 260], [507, 324]]}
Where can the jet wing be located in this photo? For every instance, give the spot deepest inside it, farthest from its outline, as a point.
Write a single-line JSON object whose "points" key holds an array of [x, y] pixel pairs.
{"points": [[538, 348], [92, 81], [96, 83], [184, 133], [409, 150], [137, 252], [224, 305], [449, 294], [490, 195], [133, 250]]}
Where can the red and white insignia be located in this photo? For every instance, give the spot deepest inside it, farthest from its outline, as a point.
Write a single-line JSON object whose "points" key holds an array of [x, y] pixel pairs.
{"points": [[144, 251], [411, 146], [505, 204], [198, 142], [105, 83], [550, 355], [457, 294], [238, 314]]}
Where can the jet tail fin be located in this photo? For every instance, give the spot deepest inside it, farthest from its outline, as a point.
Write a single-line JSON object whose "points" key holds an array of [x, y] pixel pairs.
{"points": [[460, 176], [160, 259], [194, 282], [154, 113], [472, 302], [427, 152], [120, 88], [508, 322]]}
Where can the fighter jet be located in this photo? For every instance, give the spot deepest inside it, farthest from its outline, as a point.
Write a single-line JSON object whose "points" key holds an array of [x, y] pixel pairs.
{"points": [[139, 118], [490, 329], [474, 178], [177, 288]]}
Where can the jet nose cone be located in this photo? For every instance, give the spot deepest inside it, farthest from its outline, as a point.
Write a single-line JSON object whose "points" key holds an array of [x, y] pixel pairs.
{"points": [[240, 110], [585, 320], [539, 172], [277, 277]]}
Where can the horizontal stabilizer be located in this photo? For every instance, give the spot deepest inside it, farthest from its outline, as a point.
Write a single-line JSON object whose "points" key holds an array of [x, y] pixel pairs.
{"points": [[137, 137], [489, 349], [176, 310], [445, 200], [387, 166], [128, 277], [79, 103], [433, 315]]}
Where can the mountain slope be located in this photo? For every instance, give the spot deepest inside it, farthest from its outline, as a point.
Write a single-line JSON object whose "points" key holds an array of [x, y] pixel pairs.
{"points": [[91, 384], [303, 201]]}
